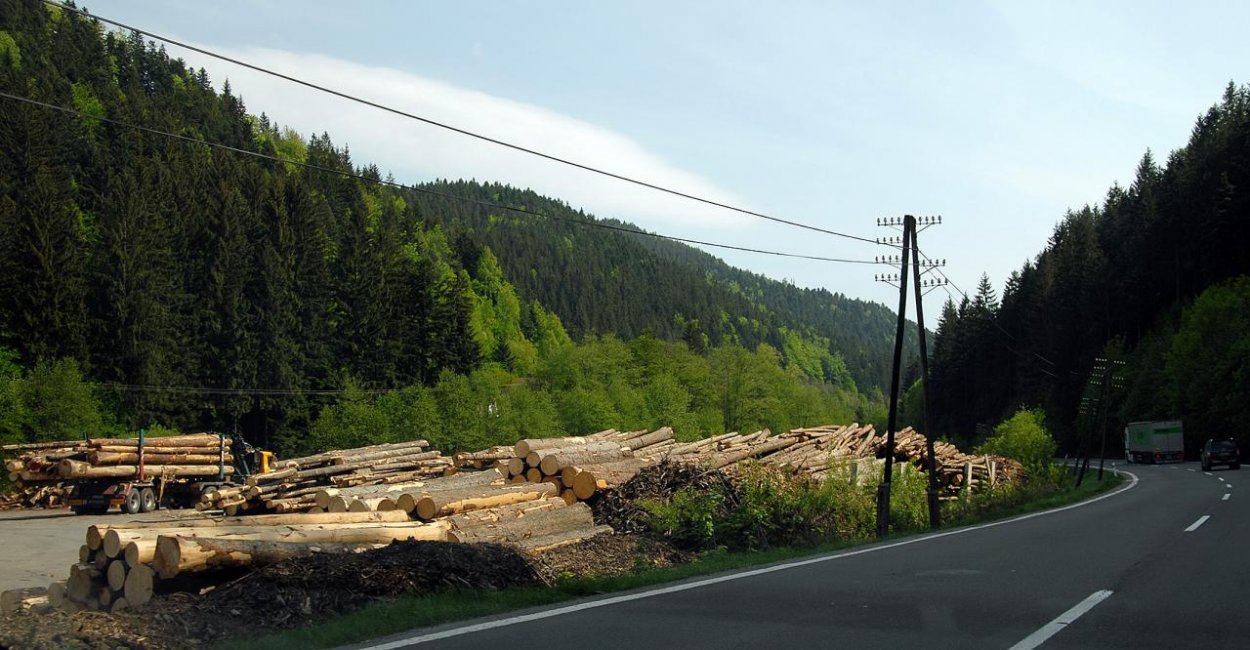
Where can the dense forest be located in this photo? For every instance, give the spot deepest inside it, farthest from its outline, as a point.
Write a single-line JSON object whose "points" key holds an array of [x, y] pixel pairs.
{"points": [[1154, 278], [601, 282], [148, 280]]}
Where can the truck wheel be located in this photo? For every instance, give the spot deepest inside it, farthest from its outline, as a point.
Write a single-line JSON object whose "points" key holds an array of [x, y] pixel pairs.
{"points": [[147, 500], [133, 503]]}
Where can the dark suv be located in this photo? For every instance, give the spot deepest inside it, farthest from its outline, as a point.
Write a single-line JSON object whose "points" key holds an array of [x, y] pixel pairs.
{"points": [[1220, 452]]}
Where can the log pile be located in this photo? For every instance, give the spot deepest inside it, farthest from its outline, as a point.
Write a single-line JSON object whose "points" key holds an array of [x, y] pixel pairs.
{"points": [[609, 458], [188, 455], [122, 565], [294, 484], [32, 468], [578, 467]]}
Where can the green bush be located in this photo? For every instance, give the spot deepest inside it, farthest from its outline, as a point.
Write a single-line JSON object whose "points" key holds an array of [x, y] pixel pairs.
{"points": [[764, 508], [689, 518], [1023, 437], [909, 500]]}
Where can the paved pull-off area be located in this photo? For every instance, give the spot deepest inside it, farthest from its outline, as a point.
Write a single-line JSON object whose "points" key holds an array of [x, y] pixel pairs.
{"points": [[41, 545], [1157, 564]]}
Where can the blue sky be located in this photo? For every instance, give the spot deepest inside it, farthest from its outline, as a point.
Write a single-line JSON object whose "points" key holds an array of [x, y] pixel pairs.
{"points": [[999, 116]]}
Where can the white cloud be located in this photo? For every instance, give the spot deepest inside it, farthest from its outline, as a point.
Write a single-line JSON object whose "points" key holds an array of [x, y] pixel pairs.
{"points": [[416, 152]]}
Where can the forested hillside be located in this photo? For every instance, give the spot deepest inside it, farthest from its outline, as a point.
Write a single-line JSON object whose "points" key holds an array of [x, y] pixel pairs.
{"points": [[146, 279], [600, 281], [1153, 277]]}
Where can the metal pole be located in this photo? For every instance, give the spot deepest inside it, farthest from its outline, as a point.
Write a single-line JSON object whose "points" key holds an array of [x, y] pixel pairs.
{"points": [[883, 490], [935, 512]]}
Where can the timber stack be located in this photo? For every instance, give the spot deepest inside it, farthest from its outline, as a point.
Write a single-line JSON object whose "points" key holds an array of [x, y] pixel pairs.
{"points": [[32, 469], [293, 484], [578, 467], [188, 455], [122, 565]]}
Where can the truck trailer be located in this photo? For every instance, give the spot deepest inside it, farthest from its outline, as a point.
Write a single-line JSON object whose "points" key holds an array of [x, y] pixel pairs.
{"points": [[1161, 441]]}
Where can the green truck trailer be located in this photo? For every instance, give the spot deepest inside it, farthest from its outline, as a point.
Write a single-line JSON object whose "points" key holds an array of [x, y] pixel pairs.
{"points": [[1154, 442]]}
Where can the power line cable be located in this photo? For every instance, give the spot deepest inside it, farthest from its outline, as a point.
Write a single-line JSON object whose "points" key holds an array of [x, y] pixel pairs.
{"points": [[456, 129], [421, 190]]}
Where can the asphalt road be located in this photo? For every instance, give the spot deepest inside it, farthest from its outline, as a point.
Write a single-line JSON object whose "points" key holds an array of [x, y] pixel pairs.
{"points": [[1128, 570]]}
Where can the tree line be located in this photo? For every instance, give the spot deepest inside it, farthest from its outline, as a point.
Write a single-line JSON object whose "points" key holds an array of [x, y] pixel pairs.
{"points": [[1154, 277]]}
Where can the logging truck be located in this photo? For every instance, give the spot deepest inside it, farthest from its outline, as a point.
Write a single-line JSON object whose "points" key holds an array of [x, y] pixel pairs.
{"points": [[1154, 442], [144, 474]]}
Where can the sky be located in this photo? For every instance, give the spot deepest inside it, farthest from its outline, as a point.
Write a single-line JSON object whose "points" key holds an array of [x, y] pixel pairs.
{"points": [[998, 116]]}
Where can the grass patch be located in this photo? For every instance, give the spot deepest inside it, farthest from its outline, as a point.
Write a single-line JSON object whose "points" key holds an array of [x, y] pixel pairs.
{"points": [[412, 612]]}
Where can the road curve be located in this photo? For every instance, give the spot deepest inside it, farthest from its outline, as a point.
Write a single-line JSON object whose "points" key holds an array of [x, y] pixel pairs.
{"points": [[1139, 568]]}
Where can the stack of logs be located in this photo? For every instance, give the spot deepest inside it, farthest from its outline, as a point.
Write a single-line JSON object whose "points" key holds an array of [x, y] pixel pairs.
{"points": [[293, 484], [188, 455], [32, 470], [579, 467], [122, 565]]}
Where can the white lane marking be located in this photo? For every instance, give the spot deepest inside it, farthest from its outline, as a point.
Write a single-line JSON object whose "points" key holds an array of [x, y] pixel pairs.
{"points": [[1209, 474], [1194, 526], [1221, 479], [1052, 628], [1226, 497], [1192, 469], [671, 589]]}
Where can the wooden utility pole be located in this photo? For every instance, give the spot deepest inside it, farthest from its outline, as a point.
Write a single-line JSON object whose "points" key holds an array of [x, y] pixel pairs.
{"points": [[911, 254], [935, 512], [883, 490]]}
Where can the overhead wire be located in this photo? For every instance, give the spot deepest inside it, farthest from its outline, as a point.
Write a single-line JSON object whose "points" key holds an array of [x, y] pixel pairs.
{"points": [[462, 131], [422, 190]]}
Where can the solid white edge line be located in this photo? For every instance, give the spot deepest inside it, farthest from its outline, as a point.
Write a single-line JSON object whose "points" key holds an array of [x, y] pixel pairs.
{"points": [[1194, 526], [1226, 497], [1063, 620], [613, 600]]}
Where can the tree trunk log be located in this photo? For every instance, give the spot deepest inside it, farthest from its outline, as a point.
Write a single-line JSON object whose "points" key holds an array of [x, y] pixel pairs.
{"points": [[531, 525], [155, 458], [554, 463], [189, 440], [476, 498], [138, 587], [548, 542], [79, 469], [182, 555], [524, 447], [116, 575], [13, 599]]}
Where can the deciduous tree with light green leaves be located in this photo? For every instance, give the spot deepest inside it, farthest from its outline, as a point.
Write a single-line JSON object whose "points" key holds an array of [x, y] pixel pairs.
{"points": [[1023, 437]]}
